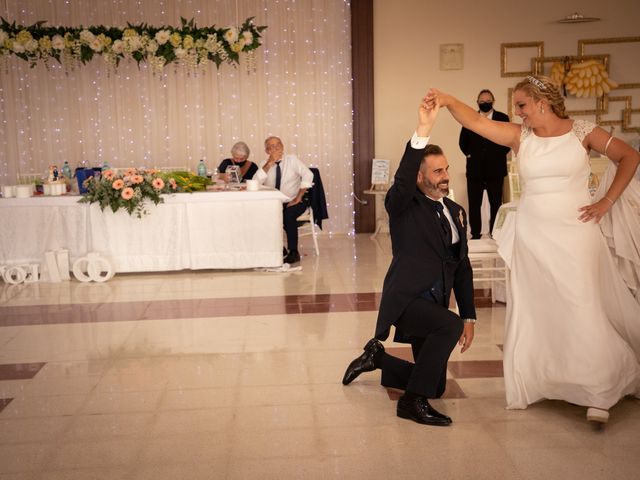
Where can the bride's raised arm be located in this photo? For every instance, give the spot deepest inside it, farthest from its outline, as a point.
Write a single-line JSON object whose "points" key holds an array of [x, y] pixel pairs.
{"points": [[503, 133]]}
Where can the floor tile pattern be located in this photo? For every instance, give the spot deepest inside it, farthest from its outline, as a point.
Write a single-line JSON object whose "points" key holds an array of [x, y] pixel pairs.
{"points": [[19, 371], [236, 375]]}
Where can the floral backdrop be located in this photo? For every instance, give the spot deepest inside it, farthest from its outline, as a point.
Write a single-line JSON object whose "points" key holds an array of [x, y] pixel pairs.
{"points": [[300, 90], [187, 45]]}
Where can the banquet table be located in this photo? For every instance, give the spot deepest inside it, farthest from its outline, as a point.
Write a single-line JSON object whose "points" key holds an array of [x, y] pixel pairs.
{"points": [[218, 229]]}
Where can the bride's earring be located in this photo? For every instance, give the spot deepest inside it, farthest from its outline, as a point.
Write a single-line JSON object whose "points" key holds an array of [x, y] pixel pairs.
{"points": [[542, 110]]}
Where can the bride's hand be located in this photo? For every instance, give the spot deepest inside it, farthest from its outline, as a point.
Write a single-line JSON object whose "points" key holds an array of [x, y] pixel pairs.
{"points": [[436, 97], [595, 211]]}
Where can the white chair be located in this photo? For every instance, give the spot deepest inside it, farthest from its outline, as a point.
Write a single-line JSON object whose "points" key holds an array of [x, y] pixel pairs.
{"points": [[308, 227], [514, 187], [452, 195], [487, 265]]}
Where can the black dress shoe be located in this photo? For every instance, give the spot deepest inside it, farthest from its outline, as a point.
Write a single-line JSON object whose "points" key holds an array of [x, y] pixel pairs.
{"points": [[364, 363], [292, 257], [284, 252], [417, 408]]}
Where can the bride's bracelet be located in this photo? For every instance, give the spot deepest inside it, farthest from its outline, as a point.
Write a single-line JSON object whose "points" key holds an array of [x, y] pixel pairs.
{"points": [[612, 202]]}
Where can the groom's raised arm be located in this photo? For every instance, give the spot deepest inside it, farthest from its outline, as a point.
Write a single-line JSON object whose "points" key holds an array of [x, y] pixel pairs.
{"points": [[404, 185]]}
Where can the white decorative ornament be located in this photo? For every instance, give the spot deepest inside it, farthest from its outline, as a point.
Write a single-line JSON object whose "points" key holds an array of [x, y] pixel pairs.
{"points": [[55, 266], [96, 268], [15, 274]]}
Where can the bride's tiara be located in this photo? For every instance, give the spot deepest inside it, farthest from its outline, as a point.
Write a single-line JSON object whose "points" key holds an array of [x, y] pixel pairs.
{"points": [[536, 82]]}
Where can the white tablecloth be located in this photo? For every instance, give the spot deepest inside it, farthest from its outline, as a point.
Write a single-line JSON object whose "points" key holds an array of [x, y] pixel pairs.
{"points": [[228, 229]]}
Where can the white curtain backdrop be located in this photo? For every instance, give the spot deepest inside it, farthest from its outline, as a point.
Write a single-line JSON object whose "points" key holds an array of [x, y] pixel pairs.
{"points": [[301, 92]]}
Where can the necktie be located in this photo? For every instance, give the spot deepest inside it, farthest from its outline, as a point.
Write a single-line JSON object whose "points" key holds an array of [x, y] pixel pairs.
{"points": [[444, 223], [278, 175]]}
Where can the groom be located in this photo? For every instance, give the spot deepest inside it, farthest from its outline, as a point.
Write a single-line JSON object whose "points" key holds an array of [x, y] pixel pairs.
{"points": [[428, 235]]}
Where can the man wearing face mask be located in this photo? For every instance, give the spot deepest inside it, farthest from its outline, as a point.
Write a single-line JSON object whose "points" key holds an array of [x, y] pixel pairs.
{"points": [[486, 166]]}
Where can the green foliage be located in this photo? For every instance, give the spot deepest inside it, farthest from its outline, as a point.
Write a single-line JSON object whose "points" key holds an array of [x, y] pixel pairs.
{"points": [[132, 189]]}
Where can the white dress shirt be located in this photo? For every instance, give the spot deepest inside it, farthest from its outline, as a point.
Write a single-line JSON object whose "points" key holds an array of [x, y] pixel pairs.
{"points": [[295, 175], [419, 143], [455, 236]]}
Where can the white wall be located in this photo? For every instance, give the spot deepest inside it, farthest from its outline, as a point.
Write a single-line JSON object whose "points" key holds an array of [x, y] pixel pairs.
{"points": [[407, 36]]}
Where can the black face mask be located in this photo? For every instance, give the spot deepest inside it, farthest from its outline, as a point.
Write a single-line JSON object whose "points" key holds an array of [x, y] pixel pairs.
{"points": [[485, 107], [240, 164]]}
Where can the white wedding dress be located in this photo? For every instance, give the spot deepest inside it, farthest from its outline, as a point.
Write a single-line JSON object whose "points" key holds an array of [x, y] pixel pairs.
{"points": [[572, 330]]}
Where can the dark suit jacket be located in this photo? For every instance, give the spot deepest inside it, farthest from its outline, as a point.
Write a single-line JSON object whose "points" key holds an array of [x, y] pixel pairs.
{"points": [[317, 199], [421, 260], [485, 159]]}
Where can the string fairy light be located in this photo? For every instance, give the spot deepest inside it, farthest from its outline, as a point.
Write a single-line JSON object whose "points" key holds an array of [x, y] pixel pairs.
{"points": [[300, 91]]}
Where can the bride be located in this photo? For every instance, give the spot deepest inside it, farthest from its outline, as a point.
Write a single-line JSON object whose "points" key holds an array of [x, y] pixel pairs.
{"points": [[572, 329]]}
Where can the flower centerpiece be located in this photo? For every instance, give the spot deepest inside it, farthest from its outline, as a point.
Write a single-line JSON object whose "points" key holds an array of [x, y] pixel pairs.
{"points": [[132, 188], [187, 44]]}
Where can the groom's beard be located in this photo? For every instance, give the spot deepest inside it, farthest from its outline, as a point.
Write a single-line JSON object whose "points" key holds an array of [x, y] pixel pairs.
{"points": [[436, 190]]}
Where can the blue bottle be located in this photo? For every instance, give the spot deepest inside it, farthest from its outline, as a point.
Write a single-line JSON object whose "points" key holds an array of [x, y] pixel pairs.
{"points": [[202, 169]]}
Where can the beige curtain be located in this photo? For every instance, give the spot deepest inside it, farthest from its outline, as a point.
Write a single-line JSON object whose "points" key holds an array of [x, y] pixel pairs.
{"points": [[301, 91]]}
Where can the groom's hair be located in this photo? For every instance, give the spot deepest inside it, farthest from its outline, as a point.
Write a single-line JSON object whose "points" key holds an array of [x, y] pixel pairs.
{"points": [[432, 150]]}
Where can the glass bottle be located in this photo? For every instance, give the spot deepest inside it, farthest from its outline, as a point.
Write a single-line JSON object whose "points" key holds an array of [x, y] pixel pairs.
{"points": [[202, 169], [66, 170]]}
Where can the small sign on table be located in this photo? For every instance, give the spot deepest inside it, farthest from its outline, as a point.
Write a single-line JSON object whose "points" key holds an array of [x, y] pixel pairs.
{"points": [[379, 174]]}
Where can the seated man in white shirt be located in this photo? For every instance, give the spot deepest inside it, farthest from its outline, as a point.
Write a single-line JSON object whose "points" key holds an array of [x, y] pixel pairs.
{"points": [[292, 177]]}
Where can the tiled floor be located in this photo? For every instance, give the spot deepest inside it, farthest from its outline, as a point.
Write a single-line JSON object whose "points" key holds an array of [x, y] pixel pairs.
{"points": [[212, 374]]}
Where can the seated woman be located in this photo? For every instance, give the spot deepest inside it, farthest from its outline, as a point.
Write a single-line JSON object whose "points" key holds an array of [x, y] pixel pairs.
{"points": [[239, 155]]}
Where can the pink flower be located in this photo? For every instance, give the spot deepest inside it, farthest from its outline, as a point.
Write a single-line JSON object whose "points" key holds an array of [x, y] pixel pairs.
{"points": [[108, 174], [127, 193], [173, 184], [130, 171], [118, 184], [137, 179], [158, 183]]}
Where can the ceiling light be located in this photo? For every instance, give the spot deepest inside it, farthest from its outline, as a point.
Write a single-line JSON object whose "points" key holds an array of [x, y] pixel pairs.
{"points": [[577, 17]]}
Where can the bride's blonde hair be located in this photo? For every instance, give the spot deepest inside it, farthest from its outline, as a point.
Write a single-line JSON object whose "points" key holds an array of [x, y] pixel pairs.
{"points": [[539, 88]]}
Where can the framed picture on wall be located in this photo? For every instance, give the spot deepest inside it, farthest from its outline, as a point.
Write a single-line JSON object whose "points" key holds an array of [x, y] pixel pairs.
{"points": [[451, 56]]}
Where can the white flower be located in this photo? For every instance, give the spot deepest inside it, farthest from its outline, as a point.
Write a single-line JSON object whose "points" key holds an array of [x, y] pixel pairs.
{"points": [[162, 36], [231, 35], [118, 47], [152, 46], [3, 37], [212, 43], [31, 46], [18, 47], [180, 53], [238, 46], [87, 37], [96, 45], [57, 42], [133, 43], [248, 37]]}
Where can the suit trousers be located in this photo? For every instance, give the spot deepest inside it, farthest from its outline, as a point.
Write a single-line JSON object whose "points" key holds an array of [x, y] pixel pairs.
{"points": [[433, 331], [290, 224], [475, 188]]}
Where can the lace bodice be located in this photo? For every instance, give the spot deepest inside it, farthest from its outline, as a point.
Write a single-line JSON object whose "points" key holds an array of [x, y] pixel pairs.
{"points": [[580, 128]]}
